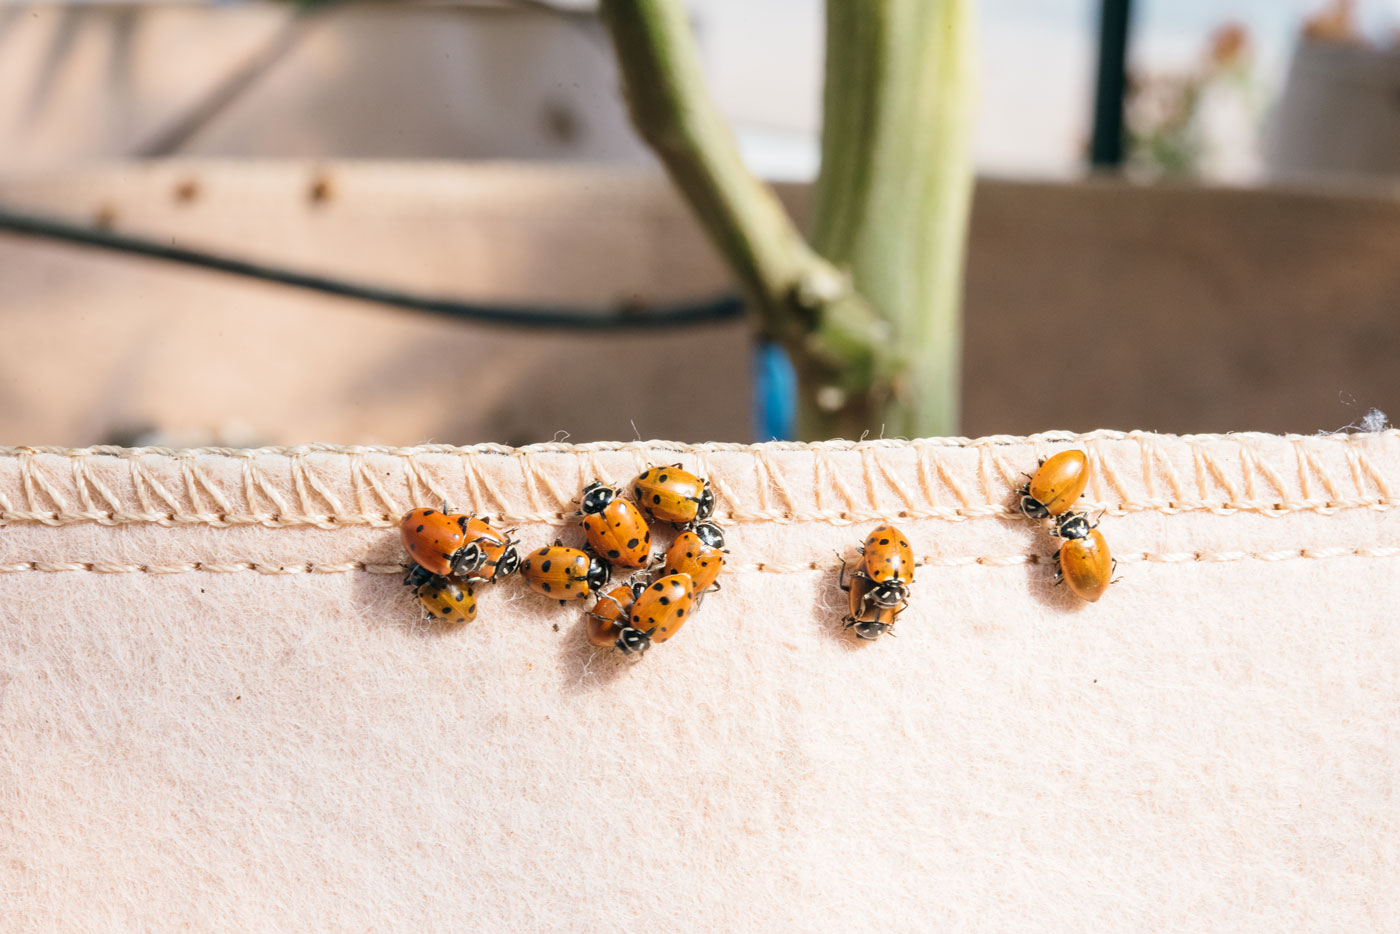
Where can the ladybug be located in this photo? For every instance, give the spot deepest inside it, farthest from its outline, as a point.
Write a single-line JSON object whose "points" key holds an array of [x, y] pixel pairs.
{"points": [[436, 541], [658, 613], [614, 527], [699, 553], [867, 618], [1083, 561], [564, 573], [674, 495], [608, 619], [447, 599], [498, 548], [1055, 486], [888, 562]]}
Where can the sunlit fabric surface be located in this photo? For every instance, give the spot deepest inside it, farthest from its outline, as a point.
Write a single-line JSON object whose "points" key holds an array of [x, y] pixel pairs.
{"points": [[219, 711]]}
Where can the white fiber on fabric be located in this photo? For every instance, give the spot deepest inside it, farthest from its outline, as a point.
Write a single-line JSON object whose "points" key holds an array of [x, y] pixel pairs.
{"points": [[219, 710]]}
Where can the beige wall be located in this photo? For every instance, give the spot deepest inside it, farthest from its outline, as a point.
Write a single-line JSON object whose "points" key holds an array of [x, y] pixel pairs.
{"points": [[1088, 306]]}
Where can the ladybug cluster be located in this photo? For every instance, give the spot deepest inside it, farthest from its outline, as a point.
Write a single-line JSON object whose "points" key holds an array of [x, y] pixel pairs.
{"points": [[879, 586], [632, 616], [1083, 562], [453, 554]]}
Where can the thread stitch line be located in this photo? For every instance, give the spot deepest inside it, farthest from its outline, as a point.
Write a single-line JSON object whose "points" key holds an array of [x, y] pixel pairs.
{"points": [[838, 500], [763, 567]]}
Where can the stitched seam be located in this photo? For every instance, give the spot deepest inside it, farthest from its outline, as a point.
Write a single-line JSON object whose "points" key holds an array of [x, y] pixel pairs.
{"points": [[833, 517], [946, 561], [843, 495]]}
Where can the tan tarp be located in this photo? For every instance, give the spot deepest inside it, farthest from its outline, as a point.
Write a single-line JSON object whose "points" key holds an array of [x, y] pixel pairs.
{"points": [[218, 709]]}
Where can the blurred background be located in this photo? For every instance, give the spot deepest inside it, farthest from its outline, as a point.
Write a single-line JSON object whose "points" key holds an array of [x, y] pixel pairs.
{"points": [[1224, 258]]}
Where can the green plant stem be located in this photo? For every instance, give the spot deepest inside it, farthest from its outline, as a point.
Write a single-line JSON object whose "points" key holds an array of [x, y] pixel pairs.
{"points": [[893, 199], [837, 341]]}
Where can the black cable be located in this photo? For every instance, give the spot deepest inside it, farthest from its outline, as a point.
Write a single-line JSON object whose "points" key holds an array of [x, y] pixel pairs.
{"points": [[627, 317]]}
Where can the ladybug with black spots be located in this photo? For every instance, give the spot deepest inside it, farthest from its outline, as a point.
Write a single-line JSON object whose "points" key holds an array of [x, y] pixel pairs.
{"points": [[698, 552], [674, 495], [499, 557], [564, 573], [658, 613], [438, 542], [888, 562], [614, 527], [447, 600]]}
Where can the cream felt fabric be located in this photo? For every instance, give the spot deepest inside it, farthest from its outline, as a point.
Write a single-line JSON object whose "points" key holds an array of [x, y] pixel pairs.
{"points": [[218, 710]]}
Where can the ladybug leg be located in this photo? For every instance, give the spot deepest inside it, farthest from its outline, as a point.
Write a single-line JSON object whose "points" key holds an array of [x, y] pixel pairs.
{"points": [[1059, 572], [841, 582], [611, 599]]}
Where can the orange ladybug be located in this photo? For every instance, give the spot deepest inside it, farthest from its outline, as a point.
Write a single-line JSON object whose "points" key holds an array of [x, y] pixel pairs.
{"points": [[437, 542], [1083, 561], [888, 562], [867, 618], [564, 573], [699, 553], [609, 616], [500, 559], [658, 613], [447, 599], [1056, 484], [614, 527], [674, 495]]}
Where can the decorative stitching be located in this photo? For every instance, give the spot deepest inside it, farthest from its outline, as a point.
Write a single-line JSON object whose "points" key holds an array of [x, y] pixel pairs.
{"points": [[1224, 481], [949, 561]]}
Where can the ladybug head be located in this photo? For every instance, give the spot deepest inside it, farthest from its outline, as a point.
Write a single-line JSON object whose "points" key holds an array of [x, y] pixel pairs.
{"points": [[468, 561], [1073, 525], [632, 641], [870, 631], [889, 594], [706, 506], [596, 497], [709, 534], [1033, 508], [508, 563], [416, 577], [598, 573]]}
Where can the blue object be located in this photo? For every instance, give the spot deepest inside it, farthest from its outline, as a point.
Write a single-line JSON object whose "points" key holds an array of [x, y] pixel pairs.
{"points": [[775, 392]]}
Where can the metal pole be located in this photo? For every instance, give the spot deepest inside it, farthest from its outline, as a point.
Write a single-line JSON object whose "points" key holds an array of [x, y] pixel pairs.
{"points": [[1106, 151]]}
